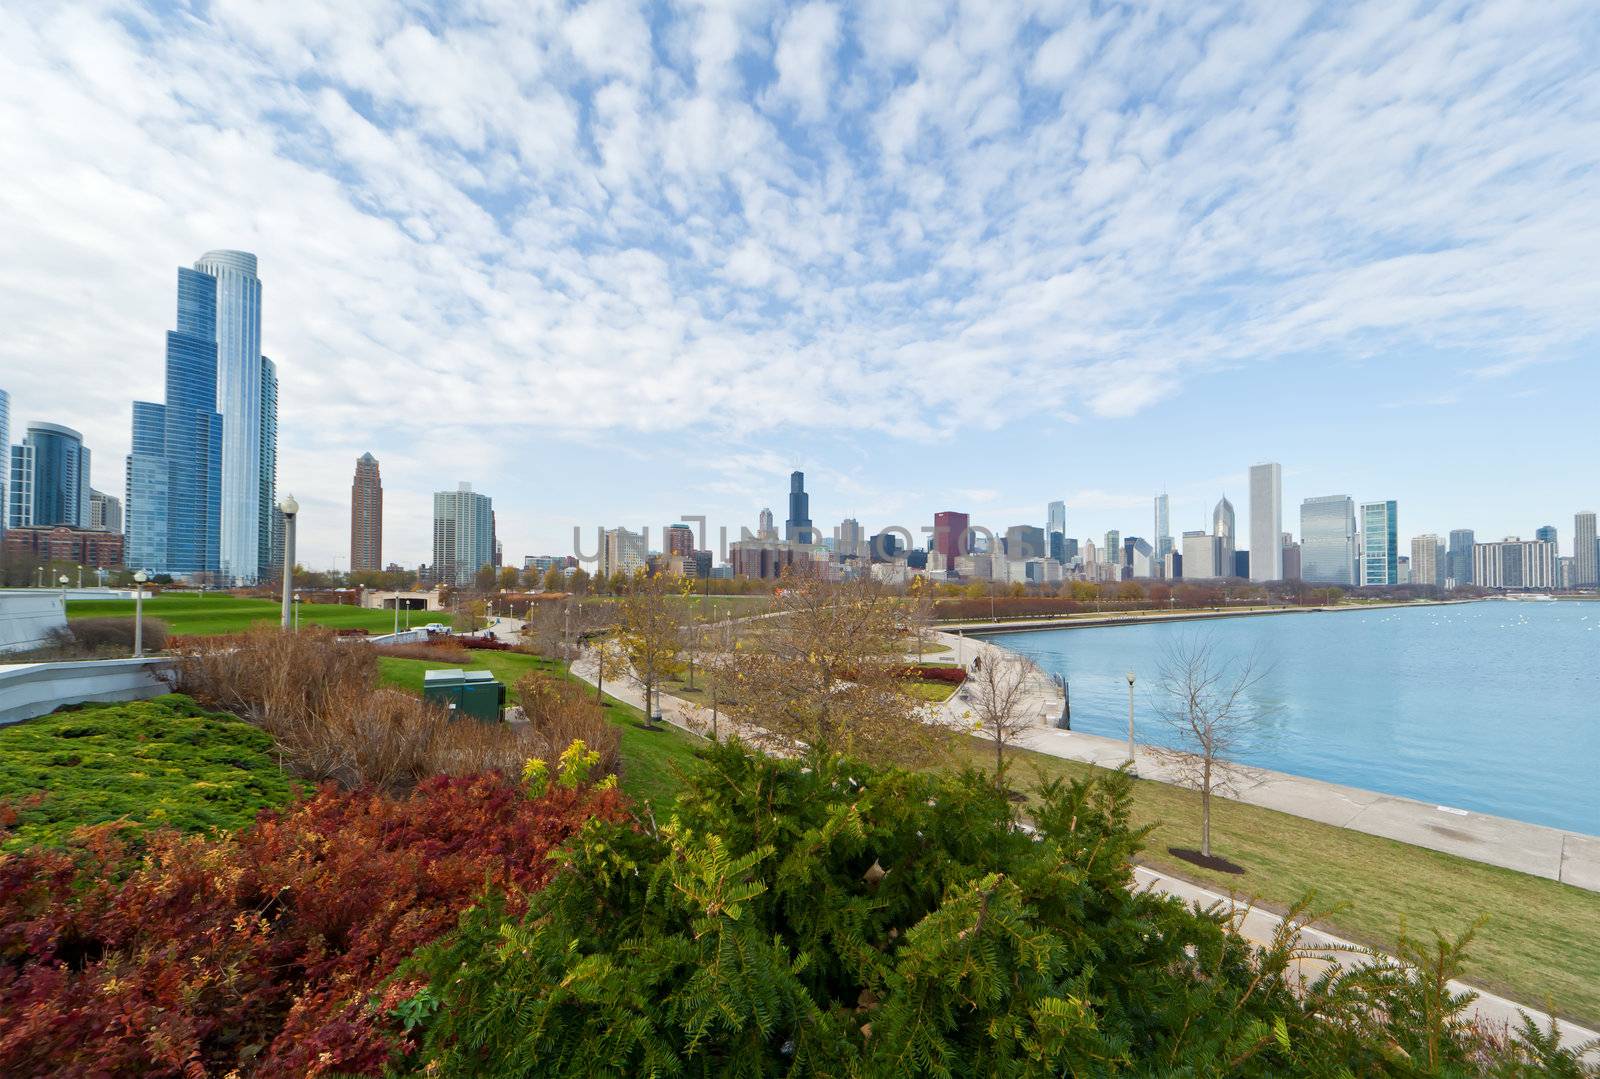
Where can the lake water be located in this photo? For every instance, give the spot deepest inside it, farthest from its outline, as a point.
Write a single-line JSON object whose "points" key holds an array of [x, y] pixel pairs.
{"points": [[1491, 706]]}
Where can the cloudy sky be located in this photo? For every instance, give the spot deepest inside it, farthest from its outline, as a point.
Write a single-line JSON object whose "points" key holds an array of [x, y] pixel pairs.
{"points": [[617, 263]]}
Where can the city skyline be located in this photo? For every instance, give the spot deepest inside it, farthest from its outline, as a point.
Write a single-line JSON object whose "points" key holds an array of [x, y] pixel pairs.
{"points": [[981, 254]]}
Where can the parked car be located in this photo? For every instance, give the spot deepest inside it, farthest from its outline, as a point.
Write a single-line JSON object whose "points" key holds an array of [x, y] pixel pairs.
{"points": [[436, 627]]}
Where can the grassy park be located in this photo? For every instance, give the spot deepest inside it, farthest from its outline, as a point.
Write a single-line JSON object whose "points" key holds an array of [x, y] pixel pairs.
{"points": [[195, 615]]}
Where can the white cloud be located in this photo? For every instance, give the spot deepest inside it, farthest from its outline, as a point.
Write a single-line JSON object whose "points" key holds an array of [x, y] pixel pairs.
{"points": [[804, 59]]}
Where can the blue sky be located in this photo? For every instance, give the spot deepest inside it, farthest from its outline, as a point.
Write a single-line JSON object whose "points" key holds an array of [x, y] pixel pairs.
{"points": [[617, 263]]}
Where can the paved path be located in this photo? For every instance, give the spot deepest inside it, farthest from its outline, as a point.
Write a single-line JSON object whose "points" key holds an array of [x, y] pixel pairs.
{"points": [[1254, 924], [1569, 857]]}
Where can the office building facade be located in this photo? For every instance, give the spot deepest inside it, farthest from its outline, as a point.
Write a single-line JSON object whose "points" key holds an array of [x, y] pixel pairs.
{"points": [[105, 512], [366, 516], [1163, 532], [1425, 567], [765, 529], [1380, 543], [951, 535], [622, 551], [49, 478], [1585, 552], [58, 543], [1328, 540], [1202, 556], [463, 534], [1225, 527], [1266, 522]]}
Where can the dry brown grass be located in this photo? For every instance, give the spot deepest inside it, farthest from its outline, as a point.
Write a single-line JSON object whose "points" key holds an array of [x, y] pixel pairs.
{"points": [[433, 653], [319, 699], [560, 712]]}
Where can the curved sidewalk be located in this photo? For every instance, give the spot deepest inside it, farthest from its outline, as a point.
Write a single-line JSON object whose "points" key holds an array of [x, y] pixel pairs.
{"points": [[1570, 857]]}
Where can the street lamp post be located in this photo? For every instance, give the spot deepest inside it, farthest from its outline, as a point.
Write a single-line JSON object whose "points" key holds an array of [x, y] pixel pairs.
{"points": [[139, 579], [297, 614], [64, 582], [290, 508], [1132, 769]]}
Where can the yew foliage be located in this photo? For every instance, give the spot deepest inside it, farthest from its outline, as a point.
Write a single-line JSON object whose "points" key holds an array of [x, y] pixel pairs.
{"points": [[267, 951]]}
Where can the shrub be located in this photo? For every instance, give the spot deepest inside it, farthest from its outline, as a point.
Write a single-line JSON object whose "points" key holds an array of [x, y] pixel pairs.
{"points": [[266, 951], [821, 916], [560, 712], [113, 634], [161, 763], [440, 652], [319, 699]]}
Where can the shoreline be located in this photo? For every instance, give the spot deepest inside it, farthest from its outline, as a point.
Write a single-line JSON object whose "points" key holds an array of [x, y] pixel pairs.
{"points": [[1136, 618], [1558, 854]]}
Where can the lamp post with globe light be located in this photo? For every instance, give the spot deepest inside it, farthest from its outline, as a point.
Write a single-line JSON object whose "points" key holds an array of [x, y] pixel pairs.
{"points": [[1132, 770], [138, 613], [290, 508]]}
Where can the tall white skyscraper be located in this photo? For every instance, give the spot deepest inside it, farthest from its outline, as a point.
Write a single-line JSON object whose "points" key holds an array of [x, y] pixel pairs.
{"points": [[463, 534], [1266, 522], [1225, 527], [1425, 568], [1163, 533], [240, 391]]}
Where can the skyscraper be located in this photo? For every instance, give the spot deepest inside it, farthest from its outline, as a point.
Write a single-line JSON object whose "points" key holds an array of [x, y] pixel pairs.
{"points": [[1225, 528], [105, 512], [1055, 530], [245, 531], [950, 535], [5, 459], [678, 540], [798, 527], [1328, 540], [1113, 553], [1380, 543], [267, 497], [463, 534], [174, 472], [1459, 569], [851, 539], [1163, 544], [1266, 522], [49, 478], [1585, 553], [622, 552], [765, 529], [1515, 563], [1425, 568], [1546, 534], [366, 516]]}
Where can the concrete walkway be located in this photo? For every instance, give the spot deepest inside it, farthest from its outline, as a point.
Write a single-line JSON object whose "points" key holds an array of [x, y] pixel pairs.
{"points": [[1570, 857], [1254, 924]]}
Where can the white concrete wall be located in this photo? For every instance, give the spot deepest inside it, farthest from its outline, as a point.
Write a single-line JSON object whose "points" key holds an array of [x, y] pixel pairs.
{"points": [[27, 617], [36, 689]]}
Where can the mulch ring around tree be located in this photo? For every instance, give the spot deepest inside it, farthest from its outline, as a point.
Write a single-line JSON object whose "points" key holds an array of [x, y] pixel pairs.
{"points": [[1206, 861]]}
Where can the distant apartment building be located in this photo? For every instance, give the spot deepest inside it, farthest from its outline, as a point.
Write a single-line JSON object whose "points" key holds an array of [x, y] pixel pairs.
{"points": [[463, 534], [366, 516], [1266, 522], [1585, 551], [58, 543], [1458, 570], [622, 551], [105, 512], [1425, 567], [1291, 558], [1514, 564], [678, 540], [49, 478], [1328, 552], [1380, 543], [768, 560]]}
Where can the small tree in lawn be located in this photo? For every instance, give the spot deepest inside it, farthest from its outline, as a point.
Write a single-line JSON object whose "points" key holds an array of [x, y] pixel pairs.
{"points": [[610, 661], [1205, 701], [919, 613], [998, 689], [651, 634]]}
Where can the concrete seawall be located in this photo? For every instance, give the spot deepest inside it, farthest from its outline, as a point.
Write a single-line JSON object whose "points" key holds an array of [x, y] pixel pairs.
{"points": [[36, 689]]}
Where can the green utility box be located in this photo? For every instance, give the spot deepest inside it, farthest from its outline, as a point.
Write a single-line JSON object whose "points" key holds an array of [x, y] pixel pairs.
{"points": [[466, 693]]}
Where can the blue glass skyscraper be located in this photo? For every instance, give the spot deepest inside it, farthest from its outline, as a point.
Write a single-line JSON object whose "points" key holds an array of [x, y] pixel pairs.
{"points": [[1380, 543], [49, 478], [174, 473]]}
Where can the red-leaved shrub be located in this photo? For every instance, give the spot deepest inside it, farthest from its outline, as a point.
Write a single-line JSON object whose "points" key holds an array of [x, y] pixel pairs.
{"points": [[264, 951]]}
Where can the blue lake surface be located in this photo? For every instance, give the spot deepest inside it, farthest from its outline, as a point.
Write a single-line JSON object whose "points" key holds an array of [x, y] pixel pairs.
{"points": [[1491, 706]]}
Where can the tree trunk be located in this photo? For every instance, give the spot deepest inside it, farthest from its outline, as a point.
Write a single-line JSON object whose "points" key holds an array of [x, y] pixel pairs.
{"points": [[1205, 812]]}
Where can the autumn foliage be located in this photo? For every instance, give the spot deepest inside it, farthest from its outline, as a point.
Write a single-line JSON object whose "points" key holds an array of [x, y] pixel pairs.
{"points": [[265, 951]]}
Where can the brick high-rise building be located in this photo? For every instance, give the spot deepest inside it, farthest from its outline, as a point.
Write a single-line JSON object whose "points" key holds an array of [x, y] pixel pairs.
{"points": [[366, 517], [950, 536]]}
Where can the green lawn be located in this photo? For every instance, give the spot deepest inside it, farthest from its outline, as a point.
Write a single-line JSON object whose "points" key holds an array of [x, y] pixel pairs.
{"points": [[1541, 941], [216, 612], [652, 760], [159, 762]]}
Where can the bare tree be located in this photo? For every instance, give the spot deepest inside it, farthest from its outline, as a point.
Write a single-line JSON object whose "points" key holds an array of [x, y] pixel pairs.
{"points": [[918, 608], [1205, 701], [998, 690], [651, 634]]}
